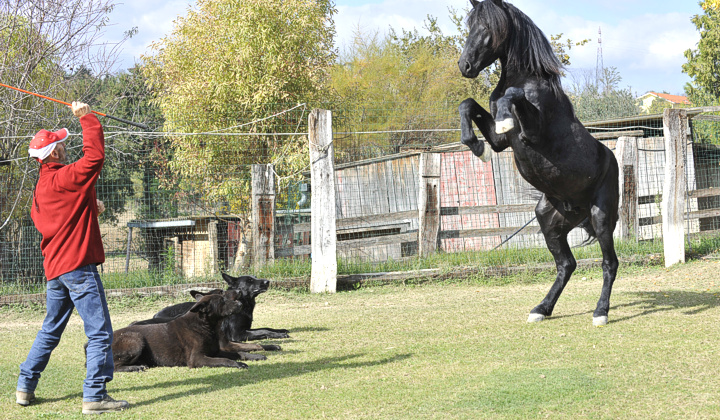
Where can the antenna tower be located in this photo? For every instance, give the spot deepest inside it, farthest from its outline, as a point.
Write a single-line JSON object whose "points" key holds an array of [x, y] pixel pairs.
{"points": [[599, 63]]}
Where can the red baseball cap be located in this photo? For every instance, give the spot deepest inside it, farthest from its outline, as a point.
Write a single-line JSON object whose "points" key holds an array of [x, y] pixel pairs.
{"points": [[45, 141]]}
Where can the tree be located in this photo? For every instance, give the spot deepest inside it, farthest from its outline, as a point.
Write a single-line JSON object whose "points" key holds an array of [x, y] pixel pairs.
{"points": [[710, 4], [229, 63], [409, 84], [602, 99], [40, 41], [140, 159], [703, 66], [703, 63], [400, 83]]}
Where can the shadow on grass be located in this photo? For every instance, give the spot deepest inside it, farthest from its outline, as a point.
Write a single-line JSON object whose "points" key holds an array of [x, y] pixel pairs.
{"points": [[41, 400], [307, 329], [688, 303], [556, 317], [230, 379]]}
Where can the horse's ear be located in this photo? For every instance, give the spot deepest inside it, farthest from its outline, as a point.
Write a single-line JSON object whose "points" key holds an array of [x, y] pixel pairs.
{"points": [[499, 3], [474, 2]]}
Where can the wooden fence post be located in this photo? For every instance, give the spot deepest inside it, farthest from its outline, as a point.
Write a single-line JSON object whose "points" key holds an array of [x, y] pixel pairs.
{"points": [[213, 242], [323, 213], [627, 162], [429, 203], [675, 187], [263, 214]]}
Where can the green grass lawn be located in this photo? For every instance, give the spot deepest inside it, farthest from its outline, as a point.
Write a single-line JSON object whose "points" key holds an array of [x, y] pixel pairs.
{"points": [[456, 349]]}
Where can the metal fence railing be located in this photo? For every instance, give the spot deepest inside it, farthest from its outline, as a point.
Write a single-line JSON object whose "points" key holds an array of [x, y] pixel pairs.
{"points": [[178, 204]]}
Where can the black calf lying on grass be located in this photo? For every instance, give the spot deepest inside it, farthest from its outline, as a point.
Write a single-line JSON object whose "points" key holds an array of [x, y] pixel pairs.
{"points": [[236, 327], [192, 340]]}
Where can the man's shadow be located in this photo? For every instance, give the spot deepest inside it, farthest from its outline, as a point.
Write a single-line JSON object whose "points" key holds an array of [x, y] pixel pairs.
{"points": [[233, 378]]}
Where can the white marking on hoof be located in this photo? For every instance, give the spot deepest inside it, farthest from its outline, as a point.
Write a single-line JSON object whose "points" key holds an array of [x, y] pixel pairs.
{"points": [[504, 126], [600, 321], [536, 318], [487, 154]]}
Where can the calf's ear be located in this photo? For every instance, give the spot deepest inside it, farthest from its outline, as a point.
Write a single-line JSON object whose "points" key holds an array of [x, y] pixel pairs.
{"points": [[196, 295], [230, 280], [198, 306]]}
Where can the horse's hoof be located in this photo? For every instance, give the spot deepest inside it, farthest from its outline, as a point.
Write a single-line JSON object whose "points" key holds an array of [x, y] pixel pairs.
{"points": [[487, 154], [600, 321], [536, 318], [502, 127]]}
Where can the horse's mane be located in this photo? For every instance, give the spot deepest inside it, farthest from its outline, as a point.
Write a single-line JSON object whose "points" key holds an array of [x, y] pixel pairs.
{"points": [[527, 45]]}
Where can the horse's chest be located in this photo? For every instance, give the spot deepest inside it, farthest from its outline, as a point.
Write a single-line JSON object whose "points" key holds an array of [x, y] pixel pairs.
{"points": [[532, 164], [555, 177]]}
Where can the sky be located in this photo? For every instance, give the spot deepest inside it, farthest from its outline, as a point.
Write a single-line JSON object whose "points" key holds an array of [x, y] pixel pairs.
{"points": [[644, 40]]}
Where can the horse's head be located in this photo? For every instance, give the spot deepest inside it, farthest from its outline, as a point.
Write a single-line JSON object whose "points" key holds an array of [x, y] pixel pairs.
{"points": [[499, 30], [487, 25]]}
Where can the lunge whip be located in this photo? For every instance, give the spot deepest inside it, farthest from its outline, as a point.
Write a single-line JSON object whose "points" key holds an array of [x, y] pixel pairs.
{"points": [[122, 120]]}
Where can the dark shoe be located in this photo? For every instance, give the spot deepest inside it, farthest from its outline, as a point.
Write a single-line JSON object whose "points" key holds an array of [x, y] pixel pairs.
{"points": [[107, 405], [24, 398]]}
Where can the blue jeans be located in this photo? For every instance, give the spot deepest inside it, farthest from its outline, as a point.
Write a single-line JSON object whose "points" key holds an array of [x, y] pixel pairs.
{"points": [[81, 289]]}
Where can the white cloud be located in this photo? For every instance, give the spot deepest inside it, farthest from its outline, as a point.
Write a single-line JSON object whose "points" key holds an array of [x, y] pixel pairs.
{"points": [[398, 14], [153, 23], [646, 48]]}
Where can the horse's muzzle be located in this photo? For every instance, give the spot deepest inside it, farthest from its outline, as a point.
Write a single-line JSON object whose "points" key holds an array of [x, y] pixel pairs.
{"points": [[467, 70]]}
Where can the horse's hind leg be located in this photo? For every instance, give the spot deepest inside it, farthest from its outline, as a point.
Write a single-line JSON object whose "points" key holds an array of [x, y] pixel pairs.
{"points": [[555, 226], [603, 222]]}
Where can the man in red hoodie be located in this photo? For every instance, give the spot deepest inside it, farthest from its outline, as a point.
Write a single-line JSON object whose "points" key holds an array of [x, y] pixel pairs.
{"points": [[65, 211]]}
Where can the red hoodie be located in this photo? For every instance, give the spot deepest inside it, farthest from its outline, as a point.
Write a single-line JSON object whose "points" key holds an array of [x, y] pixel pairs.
{"points": [[65, 209]]}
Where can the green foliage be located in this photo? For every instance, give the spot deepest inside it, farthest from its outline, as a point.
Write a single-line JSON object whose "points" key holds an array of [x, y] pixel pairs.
{"points": [[40, 42], [220, 67], [703, 131], [416, 74], [127, 96], [595, 101], [710, 4], [562, 48], [21, 113], [703, 64]]}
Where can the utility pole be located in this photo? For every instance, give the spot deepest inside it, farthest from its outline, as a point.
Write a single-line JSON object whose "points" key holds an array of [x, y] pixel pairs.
{"points": [[599, 62]]}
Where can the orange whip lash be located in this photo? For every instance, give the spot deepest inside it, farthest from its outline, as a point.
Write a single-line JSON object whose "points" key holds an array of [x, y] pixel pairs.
{"points": [[143, 126]]}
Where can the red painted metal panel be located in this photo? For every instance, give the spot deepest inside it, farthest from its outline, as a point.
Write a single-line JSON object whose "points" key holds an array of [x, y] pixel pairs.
{"points": [[467, 181]]}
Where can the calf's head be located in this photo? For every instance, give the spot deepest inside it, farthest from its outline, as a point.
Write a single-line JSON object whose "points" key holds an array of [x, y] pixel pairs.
{"points": [[213, 307], [247, 286]]}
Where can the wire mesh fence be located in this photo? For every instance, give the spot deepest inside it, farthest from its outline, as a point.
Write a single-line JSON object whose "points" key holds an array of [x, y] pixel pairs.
{"points": [[179, 203], [705, 155]]}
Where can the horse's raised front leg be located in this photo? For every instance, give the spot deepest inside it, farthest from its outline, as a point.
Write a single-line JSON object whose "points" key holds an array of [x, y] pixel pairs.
{"points": [[471, 111], [514, 106], [555, 226]]}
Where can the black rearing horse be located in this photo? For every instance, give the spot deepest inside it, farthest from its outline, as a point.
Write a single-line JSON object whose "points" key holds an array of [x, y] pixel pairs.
{"points": [[530, 113]]}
